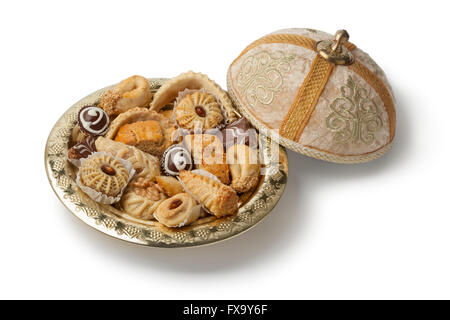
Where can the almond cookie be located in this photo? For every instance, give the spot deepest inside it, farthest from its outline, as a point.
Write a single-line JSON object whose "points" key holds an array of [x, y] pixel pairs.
{"points": [[198, 110], [178, 211], [103, 177]]}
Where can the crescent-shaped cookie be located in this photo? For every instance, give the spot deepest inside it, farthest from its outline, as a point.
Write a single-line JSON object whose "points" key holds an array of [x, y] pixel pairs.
{"points": [[129, 93], [168, 92]]}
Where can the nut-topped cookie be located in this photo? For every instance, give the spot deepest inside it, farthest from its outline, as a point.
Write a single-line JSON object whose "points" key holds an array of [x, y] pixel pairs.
{"points": [[198, 110], [104, 177]]}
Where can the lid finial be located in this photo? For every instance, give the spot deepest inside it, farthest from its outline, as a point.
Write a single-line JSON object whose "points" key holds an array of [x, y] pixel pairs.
{"points": [[336, 51]]}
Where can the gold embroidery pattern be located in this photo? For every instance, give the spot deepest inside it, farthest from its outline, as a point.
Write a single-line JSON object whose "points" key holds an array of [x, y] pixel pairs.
{"points": [[380, 88], [261, 76], [354, 116]]}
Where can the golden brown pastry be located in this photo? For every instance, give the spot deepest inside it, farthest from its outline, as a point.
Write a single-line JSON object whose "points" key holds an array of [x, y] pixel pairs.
{"points": [[217, 198], [178, 211], [208, 154], [217, 167], [145, 129], [104, 174], [169, 185], [244, 167], [168, 113], [193, 81], [201, 145], [142, 134], [198, 110], [129, 93], [141, 198], [143, 163]]}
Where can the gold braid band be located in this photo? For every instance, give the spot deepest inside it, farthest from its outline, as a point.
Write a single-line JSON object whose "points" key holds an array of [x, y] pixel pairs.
{"points": [[306, 100], [381, 90]]}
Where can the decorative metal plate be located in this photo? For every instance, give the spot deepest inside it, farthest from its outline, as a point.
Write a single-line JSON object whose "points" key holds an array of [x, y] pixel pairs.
{"points": [[107, 219]]}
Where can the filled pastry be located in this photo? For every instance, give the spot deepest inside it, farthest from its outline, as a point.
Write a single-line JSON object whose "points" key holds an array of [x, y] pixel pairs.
{"points": [[192, 81], [104, 177], [218, 198], [168, 113], [169, 185], [178, 211], [244, 167], [143, 163], [130, 93], [145, 129], [141, 198], [198, 110], [208, 154]]}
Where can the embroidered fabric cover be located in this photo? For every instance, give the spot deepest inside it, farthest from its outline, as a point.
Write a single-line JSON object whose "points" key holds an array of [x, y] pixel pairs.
{"points": [[336, 113]]}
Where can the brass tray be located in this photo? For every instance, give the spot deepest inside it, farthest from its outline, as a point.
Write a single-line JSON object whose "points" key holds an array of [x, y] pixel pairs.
{"points": [[108, 220]]}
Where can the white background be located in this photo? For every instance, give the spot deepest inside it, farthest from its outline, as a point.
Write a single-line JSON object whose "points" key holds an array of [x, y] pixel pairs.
{"points": [[377, 230]]}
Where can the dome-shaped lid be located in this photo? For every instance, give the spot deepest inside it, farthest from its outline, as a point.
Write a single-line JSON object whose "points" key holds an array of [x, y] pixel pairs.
{"points": [[316, 94]]}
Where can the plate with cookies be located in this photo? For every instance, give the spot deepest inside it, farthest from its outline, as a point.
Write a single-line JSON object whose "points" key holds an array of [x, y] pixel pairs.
{"points": [[164, 162]]}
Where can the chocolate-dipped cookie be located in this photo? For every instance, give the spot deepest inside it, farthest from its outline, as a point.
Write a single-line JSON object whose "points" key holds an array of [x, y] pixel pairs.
{"points": [[175, 159], [82, 149], [239, 132], [93, 120]]}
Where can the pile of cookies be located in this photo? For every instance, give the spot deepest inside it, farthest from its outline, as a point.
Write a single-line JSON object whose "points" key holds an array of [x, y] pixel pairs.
{"points": [[174, 157]]}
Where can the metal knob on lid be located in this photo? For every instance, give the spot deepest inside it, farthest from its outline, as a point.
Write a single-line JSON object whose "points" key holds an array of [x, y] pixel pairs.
{"points": [[336, 51]]}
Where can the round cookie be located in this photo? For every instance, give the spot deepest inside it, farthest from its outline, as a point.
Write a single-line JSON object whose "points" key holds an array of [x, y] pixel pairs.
{"points": [[175, 159], [93, 120], [198, 108], [105, 174]]}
